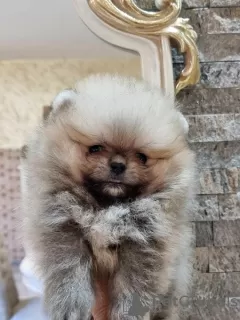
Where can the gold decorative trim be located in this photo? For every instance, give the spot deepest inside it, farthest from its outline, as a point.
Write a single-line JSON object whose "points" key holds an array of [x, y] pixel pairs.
{"points": [[127, 17]]}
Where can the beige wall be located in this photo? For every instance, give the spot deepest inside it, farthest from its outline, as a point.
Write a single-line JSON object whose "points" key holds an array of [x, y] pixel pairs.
{"points": [[26, 86]]}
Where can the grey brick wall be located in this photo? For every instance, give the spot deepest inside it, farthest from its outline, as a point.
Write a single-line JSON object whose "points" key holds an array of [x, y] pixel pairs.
{"points": [[213, 110]]}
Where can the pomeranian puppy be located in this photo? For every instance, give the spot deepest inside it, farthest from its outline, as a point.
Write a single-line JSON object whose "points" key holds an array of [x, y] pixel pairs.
{"points": [[109, 182]]}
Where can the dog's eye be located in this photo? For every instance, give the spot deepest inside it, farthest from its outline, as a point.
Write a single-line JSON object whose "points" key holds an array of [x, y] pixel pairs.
{"points": [[142, 157], [96, 148]]}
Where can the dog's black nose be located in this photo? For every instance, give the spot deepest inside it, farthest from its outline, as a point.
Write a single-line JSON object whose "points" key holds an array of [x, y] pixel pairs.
{"points": [[118, 167]]}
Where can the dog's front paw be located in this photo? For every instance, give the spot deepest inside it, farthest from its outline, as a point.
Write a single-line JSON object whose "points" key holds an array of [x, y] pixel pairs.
{"points": [[113, 226], [109, 227], [151, 218]]}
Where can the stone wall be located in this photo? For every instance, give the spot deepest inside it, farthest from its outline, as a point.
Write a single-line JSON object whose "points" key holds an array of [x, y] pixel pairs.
{"points": [[213, 111]]}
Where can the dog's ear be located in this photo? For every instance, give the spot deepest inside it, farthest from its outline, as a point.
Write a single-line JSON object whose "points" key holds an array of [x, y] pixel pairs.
{"points": [[64, 100]]}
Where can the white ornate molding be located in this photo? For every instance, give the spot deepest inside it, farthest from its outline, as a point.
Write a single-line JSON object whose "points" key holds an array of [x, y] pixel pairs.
{"points": [[151, 53], [124, 24]]}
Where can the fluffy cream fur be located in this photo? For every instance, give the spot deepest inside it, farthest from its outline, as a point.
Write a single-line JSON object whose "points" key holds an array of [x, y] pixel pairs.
{"points": [[151, 114]]}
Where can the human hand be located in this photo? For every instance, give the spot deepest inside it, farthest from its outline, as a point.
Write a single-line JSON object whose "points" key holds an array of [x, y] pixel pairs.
{"points": [[101, 307]]}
